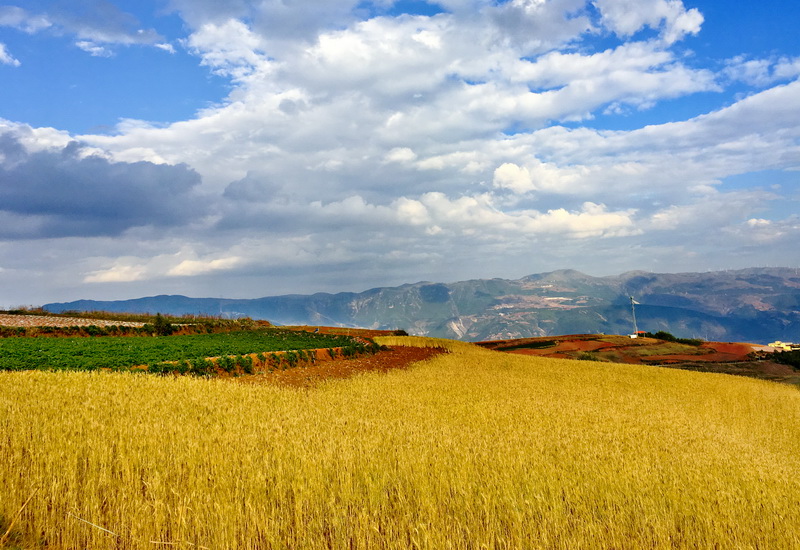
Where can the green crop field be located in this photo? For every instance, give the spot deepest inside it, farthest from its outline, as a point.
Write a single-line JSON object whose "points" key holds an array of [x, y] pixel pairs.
{"points": [[472, 449], [124, 352]]}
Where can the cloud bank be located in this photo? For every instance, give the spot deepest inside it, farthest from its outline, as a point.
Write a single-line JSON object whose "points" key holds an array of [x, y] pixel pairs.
{"points": [[365, 144]]}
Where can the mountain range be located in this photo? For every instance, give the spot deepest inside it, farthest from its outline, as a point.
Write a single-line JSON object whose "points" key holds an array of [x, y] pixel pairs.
{"points": [[755, 305]]}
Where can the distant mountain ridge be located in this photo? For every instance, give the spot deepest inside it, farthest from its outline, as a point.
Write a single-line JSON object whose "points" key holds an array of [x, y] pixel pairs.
{"points": [[750, 305]]}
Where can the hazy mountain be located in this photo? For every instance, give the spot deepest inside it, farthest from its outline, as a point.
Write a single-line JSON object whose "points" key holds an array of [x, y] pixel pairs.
{"points": [[754, 305]]}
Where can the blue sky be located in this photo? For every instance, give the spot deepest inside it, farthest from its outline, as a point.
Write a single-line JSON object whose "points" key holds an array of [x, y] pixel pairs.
{"points": [[245, 148]]}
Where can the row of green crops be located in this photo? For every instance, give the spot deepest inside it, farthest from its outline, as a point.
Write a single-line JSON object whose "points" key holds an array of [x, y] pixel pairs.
{"points": [[121, 352]]}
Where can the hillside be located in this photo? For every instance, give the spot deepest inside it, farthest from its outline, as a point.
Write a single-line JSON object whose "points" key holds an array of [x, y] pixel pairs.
{"points": [[754, 305], [469, 449]]}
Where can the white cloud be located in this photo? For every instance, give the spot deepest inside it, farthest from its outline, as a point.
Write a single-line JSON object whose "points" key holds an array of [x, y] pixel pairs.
{"points": [[190, 268], [548, 177], [184, 263], [117, 274], [94, 49], [97, 25], [400, 154], [6, 58], [18, 18], [670, 17], [436, 213], [762, 72], [511, 176], [713, 210], [166, 46], [230, 48], [782, 233]]}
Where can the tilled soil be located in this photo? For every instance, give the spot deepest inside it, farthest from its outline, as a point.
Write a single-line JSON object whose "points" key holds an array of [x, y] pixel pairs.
{"points": [[397, 357]]}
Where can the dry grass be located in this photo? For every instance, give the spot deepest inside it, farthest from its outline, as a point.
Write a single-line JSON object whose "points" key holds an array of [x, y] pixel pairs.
{"points": [[473, 449]]}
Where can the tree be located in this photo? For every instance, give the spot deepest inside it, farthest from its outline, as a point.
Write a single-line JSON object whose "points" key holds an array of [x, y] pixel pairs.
{"points": [[162, 326]]}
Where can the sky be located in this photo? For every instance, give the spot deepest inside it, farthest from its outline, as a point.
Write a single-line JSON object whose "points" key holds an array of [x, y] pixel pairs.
{"points": [[249, 148]]}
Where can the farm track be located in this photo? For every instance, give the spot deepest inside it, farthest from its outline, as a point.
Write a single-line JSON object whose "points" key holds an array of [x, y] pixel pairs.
{"points": [[8, 320]]}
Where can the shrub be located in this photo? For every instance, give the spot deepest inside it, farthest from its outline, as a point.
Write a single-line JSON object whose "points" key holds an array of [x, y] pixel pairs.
{"points": [[791, 358], [200, 366], [161, 326], [226, 363], [161, 367], [183, 366], [245, 362], [667, 337]]}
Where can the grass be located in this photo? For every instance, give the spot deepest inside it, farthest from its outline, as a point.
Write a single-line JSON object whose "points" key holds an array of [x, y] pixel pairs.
{"points": [[670, 348], [473, 449]]}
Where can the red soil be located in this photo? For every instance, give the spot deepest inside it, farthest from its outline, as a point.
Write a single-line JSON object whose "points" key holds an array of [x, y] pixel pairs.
{"points": [[398, 357], [716, 352], [630, 350]]}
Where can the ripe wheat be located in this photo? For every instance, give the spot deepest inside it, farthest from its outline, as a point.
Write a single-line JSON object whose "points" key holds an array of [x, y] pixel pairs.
{"points": [[472, 449]]}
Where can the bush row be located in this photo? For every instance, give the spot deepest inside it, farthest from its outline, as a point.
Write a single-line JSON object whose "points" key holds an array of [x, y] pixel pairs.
{"points": [[260, 362], [666, 336]]}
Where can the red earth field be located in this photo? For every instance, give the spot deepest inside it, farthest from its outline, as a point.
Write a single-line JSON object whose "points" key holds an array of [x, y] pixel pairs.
{"points": [[722, 357]]}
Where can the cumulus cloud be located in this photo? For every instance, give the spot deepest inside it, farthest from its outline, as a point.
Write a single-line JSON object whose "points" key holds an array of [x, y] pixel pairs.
{"points": [[361, 147], [68, 191], [669, 17]]}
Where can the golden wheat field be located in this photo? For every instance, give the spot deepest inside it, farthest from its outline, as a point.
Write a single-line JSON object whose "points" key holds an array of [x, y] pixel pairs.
{"points": [[472, 449]]}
